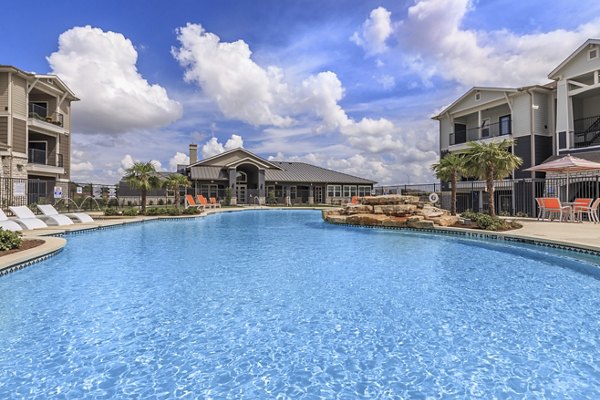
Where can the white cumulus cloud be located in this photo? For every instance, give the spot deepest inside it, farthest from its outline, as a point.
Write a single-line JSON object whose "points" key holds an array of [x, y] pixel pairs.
{"points": [[433, 42], [213, 147], [241, 88], [177, 159], [100, 68], [375, 31]]}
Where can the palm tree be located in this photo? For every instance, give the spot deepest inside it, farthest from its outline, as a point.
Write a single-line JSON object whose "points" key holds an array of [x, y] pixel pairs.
{"points": [[450, 168], [491, 161], [174, 182], [142, 176]]}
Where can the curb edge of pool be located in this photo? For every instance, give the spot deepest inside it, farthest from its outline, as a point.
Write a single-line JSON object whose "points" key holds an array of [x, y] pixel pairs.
{"points": [[16, 261]]}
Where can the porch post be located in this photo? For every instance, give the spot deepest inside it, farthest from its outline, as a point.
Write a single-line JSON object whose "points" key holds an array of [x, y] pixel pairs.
{"points": [[232, 176], [261, 187], [311, 195], [288, 195]]}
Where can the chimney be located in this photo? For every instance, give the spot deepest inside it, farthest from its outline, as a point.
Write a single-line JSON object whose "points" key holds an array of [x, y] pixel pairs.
{"points": [[193, 153]]}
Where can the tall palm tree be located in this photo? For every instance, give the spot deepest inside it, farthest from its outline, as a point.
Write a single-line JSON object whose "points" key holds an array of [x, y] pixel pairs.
{"points": [[142, 176], [450, 168], [174, 182], [491, 161]]}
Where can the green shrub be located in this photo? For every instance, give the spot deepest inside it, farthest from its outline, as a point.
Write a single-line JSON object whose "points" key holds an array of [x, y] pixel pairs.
{"points": [[130, 212], [156, 211], [151, 203], [489, 223], [9, 240], [173, 211], [129, 203], [111, 212], [191, 211]]}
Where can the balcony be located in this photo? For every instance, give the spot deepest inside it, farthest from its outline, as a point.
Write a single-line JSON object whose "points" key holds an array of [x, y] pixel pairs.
{"points": [[38, 161], [40, 113], [487, 131], [586, 132]]}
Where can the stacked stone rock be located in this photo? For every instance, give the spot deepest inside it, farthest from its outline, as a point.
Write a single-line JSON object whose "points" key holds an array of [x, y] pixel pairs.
{"points": [[390, 211]]}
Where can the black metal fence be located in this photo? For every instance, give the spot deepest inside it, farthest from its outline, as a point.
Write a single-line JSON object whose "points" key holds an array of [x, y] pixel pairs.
{"points": [[64, 195], [511, 197]]}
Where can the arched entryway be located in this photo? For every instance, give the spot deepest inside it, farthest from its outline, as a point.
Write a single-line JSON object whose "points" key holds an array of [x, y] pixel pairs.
{"points": [[246, 183]]}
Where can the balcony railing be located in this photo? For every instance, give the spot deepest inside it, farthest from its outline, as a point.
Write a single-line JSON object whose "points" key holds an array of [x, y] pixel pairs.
{"points": [[586, 132], [37, 156], [41, 113], [479, 133]]}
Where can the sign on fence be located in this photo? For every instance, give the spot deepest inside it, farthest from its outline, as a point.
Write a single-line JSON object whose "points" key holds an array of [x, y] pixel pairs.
{"points": [[79, 190], [19, 188], [97, 191], [57, 192]]}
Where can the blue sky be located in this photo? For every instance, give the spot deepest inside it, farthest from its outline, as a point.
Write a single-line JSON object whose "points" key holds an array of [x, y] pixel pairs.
{"points": [[348, 85]]}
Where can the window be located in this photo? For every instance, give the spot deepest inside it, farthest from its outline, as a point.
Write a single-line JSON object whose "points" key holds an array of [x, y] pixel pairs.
{"points": [[364, 191], [504, 125], [477, 96], [485, 128], [241, 177], [293, 192], [270, 191], [349, 191], [334, 191], [593, 54]]}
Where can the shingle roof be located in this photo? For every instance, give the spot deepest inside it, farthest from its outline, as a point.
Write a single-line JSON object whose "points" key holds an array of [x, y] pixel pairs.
{"points": [[302, 172]]}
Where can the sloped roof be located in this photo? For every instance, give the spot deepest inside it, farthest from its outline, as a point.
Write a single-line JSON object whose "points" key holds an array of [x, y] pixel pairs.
{"points": [[208, 173], [250, 156], [555, 72], [468, 93], [303, 172]]}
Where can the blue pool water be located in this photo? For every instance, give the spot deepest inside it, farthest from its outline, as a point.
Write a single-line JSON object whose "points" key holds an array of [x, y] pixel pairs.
{"points": [[278, 303]]}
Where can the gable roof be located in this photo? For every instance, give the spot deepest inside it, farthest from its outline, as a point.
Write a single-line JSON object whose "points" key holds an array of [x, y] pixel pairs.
{"points": [[468, 93], [555, 72], [249, 157], [303, 172]]}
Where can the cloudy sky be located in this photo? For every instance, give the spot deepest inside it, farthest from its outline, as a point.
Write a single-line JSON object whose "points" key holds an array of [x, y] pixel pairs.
{"points": [[348, 85]]}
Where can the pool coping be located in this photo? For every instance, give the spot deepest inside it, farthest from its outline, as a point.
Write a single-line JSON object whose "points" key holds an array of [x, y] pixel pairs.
{"points": [[55, 241]]}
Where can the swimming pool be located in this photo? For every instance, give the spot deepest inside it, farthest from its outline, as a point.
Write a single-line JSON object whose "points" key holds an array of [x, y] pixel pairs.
{"points": [[260, 304]]}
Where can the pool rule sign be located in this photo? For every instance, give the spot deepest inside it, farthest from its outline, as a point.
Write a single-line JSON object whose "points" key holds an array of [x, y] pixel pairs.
{"points": [[58, 192]]}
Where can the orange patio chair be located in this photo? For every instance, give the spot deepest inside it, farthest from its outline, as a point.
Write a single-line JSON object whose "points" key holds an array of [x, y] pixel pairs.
{"points": [[215, 203], [355, 200], [541, 211], [189, 200], [552, 206], [590, 210]]}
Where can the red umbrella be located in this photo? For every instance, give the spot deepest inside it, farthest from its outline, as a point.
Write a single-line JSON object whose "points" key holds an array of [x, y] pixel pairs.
{"points": [[566, 165]]}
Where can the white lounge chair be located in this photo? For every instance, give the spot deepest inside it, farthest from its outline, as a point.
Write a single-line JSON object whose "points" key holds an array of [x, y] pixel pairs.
{"points": [[26, 218], [48, 210], [8, 224], [53, 217]]}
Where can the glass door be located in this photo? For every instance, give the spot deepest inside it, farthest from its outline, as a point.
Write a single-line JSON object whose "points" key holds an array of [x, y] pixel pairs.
{"points": [[318, 194], [241, 194]]}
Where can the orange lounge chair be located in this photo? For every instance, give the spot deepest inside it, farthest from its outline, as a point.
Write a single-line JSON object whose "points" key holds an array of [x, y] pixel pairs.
{"points": [[541, 210], [215, 203], [202, 200], [189, 199], [355, 200], [552, 206]]}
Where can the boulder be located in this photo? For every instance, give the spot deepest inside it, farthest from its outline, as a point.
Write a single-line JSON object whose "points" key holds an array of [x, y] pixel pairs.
{"points": [[445, 220], [336, 219], [429, 211], [357, 209], [396, 210], [416, 218], [390, 199], [366, 219], [423, 224], [396, 222]]}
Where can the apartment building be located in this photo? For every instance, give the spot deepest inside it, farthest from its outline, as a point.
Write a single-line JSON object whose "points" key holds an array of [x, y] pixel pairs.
{"points": [[35, 133], [545, 122]]}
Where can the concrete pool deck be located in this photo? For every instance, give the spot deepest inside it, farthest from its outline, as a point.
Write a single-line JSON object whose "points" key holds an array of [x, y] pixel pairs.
{"points": [[585, 235]]}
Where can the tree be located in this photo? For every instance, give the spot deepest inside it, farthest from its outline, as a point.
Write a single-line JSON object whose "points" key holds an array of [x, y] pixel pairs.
{"points": [[450, 168], [489, 162], [174, 182], [142, 176]]}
